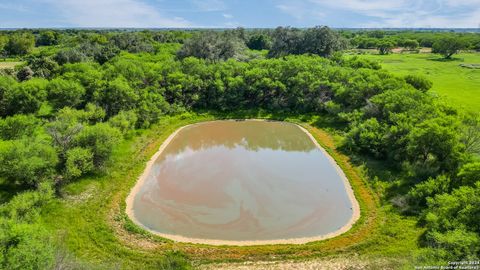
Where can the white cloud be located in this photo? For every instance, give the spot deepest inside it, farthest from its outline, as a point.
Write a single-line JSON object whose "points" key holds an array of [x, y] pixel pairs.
{"points": [[114, 13], [227, 16], [209, 5], [392, 13]]}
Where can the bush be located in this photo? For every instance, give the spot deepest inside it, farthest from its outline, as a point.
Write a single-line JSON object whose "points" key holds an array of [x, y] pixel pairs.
{"points": [[452, 222], [100, 140], [20, 44], [70, 56], [27, 161], [18, 126], [65, 93], [25, 74], [26, 97], [79, 162], [24, 244], [124, 121], [419, 82]]}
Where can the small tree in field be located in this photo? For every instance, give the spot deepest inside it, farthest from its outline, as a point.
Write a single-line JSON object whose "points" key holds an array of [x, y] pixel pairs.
{"points": [[448, 46], [385, 47], [411, 44]]}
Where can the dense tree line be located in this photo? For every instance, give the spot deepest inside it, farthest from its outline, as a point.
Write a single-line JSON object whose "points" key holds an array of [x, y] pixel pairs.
{"points": [[64, 111]]}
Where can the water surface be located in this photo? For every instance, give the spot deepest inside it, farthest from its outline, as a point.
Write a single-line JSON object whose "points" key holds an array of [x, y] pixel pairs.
{"points": [[243, 181]]}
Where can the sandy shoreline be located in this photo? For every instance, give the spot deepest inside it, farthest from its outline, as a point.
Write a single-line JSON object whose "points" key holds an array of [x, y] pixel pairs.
{"points": [[303, 240]]}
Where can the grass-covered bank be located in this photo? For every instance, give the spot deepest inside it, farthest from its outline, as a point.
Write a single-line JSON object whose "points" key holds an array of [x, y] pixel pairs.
{"points": [[92, 220]]}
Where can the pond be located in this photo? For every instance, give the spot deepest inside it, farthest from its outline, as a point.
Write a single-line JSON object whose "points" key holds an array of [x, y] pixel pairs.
{"points": [[243, 183]]}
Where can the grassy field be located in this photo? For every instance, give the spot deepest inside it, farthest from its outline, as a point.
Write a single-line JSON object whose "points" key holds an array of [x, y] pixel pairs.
{"points": [[90, 215], [458, 84], [9, 64]]}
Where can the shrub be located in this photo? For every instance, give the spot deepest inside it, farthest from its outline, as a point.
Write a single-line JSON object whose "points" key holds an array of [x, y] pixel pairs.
{"points": [[27, 161], [79, 162], [65, 93], [419, 82], [100, 140], [124, 121]]}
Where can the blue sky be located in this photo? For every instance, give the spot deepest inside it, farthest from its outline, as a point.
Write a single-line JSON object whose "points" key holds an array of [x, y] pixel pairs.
{"points": [[234, 13]]}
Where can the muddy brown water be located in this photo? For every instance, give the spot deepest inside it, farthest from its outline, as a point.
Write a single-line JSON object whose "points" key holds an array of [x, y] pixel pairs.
{"points": [[242, 181]]}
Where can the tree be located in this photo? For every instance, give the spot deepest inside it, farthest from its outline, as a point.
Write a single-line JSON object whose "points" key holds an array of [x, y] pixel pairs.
{"points": [[285, 41], [470, 135], [448, 46], [3, 43], [25, 97], [385, 46], [259, 42], [212, 46], [321, 40], [434, 145], [100, 140], [20, 44], [48, 38], [65, 93], [24, 244], [105, 54], [70, 56], [133, 42], [42, 66], [411, 44], [79, 162], [64, 129], [452, 222], [367, 137], [27, 161], [124, 121], [18, 126], [119, 96], [25, 74]]}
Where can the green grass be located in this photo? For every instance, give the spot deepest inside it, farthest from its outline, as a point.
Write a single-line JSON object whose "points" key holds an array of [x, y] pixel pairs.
{"points": [[91, 214], [459, 85]]}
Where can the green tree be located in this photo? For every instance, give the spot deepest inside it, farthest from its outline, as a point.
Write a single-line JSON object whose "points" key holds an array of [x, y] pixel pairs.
{"points": [[79, 162], [25, 74], [411, 44], [3, 43], [385, 46], [48, 38], [124, 121], [20, 44], [70, 56], [448, 46], [259, 42], [452, 222], [18, 126], [24, 244], [42, 66], [27, 161], [434, 145], [25, 97], [65, 93], [100, 140], [323, 41], [119, 96], [212, 46], [286, 41]]}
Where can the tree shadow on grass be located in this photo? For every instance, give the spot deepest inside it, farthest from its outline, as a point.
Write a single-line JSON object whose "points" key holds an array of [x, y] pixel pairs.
{"points": [[442, 59]]}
